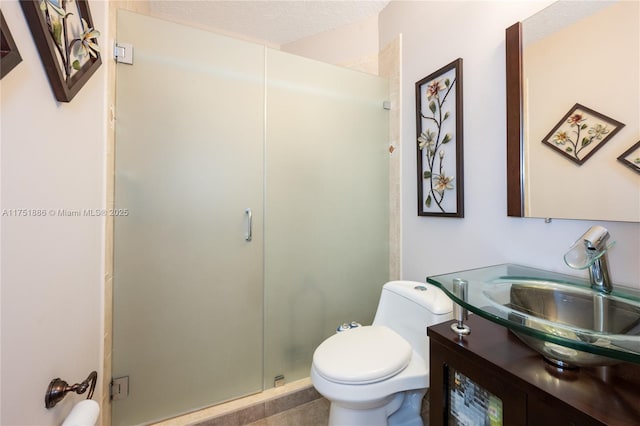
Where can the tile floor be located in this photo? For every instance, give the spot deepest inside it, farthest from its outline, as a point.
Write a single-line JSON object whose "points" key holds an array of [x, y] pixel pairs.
{"points": [[312, 413], [304, 407]]}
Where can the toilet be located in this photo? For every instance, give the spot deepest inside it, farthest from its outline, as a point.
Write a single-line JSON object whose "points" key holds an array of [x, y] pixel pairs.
{"points": [[377, 375]]}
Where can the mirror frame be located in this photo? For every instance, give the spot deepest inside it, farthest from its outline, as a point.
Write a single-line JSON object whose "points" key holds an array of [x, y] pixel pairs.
{"points": [[515, 139]]}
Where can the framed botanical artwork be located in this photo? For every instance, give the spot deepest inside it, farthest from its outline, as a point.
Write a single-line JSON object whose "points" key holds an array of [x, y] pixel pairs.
{"points": [[66, 40], [581, 132], [631, 157], [9, 55], [439, 142]]}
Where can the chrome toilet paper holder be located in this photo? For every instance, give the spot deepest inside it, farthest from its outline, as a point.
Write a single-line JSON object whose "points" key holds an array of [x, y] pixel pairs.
{"points": [[58, 388]]}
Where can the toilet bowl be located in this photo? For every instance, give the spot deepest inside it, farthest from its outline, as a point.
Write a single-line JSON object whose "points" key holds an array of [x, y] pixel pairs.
{"points": [[377, 375]]}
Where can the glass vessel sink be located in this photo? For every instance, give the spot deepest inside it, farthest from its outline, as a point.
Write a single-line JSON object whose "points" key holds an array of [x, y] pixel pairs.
{"points": [[558, 315]]}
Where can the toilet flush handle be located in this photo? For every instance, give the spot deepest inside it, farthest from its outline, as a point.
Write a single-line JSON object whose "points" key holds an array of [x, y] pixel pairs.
{"points": [[348, 326]]}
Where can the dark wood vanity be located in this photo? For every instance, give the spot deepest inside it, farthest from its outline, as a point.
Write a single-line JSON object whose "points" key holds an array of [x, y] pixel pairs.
{"points": [[492, 370]]}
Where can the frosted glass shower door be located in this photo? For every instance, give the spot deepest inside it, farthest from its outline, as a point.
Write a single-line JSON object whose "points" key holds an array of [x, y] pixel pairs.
{"points": [[188, 286], [327, 206]]}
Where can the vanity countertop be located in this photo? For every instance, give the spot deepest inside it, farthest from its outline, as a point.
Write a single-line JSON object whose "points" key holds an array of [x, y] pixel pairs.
{"points": [[556, 308]]}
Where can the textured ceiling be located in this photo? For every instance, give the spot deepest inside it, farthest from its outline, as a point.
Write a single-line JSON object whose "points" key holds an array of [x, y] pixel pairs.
{"points": [[559, 15], [277, 22]]}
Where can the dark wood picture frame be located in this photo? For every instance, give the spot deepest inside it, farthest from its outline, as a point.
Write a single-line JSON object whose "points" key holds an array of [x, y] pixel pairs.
{"points": [[590, 129], [64, 87], [632, 164], [9, 54], [439, 132]]}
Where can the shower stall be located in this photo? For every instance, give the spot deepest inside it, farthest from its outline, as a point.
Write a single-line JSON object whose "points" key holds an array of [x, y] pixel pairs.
{"points": [[253, 186]]}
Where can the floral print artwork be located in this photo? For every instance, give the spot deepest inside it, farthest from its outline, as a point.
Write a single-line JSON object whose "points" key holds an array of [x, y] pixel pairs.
{"points": [[631, 157], [440, 142], [67, 43], [581, 132], [73, 43]]}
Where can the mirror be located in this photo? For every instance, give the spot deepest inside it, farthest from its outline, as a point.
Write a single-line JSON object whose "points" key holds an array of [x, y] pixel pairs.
{"points": [[573, 112]]}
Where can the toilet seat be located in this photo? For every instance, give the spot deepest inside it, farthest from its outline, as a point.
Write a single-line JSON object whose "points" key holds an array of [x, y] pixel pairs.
{"points": [[362, 355]]}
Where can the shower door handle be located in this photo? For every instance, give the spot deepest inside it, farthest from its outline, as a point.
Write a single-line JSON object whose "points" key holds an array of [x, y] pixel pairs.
{"points": [[248, 235]]}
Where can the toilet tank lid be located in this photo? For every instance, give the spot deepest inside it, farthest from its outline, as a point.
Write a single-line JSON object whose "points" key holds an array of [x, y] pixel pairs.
{"points": [[426, 295]]}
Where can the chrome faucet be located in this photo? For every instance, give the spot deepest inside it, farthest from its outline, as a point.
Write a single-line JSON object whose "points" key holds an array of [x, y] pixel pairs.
{"points": [[590, 251]]}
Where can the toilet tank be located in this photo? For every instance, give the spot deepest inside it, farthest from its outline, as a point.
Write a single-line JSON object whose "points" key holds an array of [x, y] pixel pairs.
{"points": [[409, 307]]}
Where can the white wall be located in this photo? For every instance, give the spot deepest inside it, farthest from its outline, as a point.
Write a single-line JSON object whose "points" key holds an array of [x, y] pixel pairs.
{"points": [[52, 267], [434, 34], [354, 46]]}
